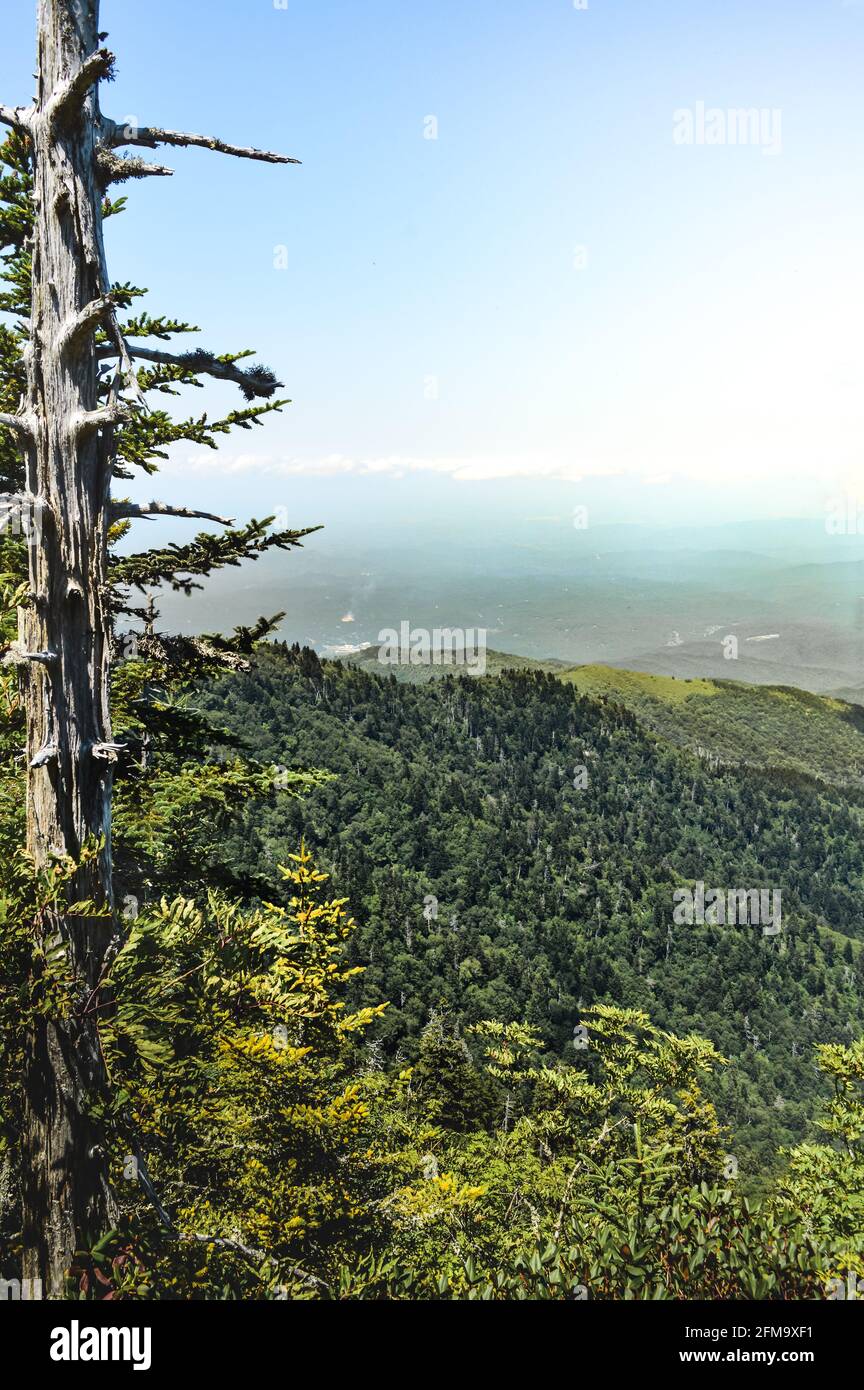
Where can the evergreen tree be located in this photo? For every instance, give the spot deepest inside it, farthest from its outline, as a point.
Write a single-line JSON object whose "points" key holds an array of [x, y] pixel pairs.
{"points": [[75, 425]]}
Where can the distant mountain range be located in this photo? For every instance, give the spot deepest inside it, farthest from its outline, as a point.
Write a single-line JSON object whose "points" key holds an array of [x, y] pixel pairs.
{"points": [[774, 603]]}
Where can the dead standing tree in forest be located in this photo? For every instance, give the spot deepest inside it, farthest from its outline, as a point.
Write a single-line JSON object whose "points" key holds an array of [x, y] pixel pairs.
{"points": [[67, 428]]}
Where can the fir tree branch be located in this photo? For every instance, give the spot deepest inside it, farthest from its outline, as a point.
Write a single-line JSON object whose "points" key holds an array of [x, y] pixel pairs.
{"points": [[146, 327], [178, 653], [244, 640], [179, 565], [253, 381], [147, 437]]}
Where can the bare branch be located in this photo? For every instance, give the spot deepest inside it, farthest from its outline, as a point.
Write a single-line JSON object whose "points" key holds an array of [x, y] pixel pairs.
{"points": [[114, 414], [152, 137], [219, 1242], [254, 381], [46, 754], [108, 752], [127, 372], [102, 311], [144, 1179], [86, 321], [69, 96], [122, 510], [22, 425], [18, 117], [15, 657], [250, 1253], [114, 169]]}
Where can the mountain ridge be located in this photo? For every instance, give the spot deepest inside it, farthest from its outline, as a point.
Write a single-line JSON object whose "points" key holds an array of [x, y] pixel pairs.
{"points": [[732, 722]]}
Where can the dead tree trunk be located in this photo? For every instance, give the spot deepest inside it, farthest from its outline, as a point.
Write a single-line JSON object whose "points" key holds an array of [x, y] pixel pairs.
{"points": [[64, 634], [66, 427]]}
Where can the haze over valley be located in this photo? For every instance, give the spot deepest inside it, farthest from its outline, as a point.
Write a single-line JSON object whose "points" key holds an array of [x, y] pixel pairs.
{"points": [[648, 598]]}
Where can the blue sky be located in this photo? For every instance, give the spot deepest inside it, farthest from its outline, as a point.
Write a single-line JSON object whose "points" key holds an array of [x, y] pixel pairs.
{"points": [[552, 302]]}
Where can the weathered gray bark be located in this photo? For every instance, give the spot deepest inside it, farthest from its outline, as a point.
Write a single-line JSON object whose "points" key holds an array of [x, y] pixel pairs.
{"points": [[66, 1191], [66, 429]]}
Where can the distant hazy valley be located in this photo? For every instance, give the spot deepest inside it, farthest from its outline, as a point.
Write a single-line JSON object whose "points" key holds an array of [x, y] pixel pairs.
{"points": [[627, 596]]}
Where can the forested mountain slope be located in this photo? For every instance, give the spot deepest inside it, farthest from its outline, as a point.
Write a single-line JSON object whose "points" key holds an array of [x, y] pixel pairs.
{"points": [[766, 726], [511, 849]]}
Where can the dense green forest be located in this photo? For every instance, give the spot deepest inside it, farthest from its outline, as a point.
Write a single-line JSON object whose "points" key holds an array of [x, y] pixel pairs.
{"points": [[489, 1082], [486, 884], [770, 726]]}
